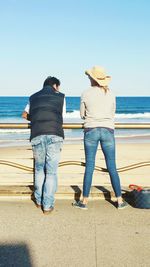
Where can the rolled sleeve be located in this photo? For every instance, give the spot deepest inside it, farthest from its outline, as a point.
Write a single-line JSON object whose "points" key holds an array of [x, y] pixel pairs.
{"points": [[27, 108]]}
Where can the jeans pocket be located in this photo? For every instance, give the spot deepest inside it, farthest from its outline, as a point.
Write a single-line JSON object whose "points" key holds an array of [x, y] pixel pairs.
{"points": [[56, 139], [86, 130], [89, 132], [110, 130], [35, 141]]}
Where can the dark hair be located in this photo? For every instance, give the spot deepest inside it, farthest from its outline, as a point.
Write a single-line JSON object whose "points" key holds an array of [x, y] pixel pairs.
{"points": [[94, 83], [51, 81]]}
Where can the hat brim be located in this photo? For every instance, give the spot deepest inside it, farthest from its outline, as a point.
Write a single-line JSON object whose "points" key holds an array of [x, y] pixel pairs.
{"points": [[101, 82]]}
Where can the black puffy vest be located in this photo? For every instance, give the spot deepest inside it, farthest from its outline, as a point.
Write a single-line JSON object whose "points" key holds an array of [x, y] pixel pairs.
{"points": [[46, 107]]}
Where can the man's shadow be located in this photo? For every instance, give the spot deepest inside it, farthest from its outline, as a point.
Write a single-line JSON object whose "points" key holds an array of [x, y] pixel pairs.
{"points": [[32, 187], [17, 255], [77, 192]]}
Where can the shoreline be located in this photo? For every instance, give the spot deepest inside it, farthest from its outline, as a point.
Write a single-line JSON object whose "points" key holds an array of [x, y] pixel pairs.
{"points": [[139, 139]]}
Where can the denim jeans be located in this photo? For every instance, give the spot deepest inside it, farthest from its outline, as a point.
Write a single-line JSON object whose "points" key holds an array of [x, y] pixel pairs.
{"points": [[46, 152], [104, 136]]}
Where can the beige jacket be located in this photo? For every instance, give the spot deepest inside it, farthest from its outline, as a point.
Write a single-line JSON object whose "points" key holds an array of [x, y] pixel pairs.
{"points": [[97, 108]]}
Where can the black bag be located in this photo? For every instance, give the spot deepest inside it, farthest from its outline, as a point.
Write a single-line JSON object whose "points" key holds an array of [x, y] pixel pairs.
{"points": [[139, 197]]}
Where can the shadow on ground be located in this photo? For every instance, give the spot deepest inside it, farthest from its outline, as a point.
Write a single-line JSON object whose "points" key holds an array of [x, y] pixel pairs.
{"points": [[106, 193], [16, 255]]}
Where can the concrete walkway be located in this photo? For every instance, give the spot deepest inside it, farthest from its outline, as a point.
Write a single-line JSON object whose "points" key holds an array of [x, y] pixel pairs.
{"points": [[101, 236]]}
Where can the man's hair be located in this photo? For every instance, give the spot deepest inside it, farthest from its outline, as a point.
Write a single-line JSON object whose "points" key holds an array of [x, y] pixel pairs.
{"points": [[51, 81]]}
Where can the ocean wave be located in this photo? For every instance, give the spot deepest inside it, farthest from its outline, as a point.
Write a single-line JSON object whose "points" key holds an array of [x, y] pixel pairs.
{"points": [[145, 115], [76, 115]]}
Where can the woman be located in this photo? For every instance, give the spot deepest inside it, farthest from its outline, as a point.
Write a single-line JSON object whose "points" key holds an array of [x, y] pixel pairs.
{"points": [[98, 110]]}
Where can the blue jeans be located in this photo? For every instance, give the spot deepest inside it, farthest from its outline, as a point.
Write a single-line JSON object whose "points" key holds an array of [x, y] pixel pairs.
{"points": [[46, 152], [104, 136]]}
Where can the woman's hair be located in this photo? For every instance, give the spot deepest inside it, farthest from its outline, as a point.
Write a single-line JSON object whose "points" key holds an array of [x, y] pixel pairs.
{"points": [[94, 83], [51, 81]]}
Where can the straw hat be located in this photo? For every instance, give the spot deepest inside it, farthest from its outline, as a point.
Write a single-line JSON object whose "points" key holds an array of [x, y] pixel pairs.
{"points": [[99, 75]]}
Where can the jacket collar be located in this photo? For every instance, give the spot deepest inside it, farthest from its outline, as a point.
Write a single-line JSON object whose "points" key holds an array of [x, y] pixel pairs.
{"points": [[49, 88]]}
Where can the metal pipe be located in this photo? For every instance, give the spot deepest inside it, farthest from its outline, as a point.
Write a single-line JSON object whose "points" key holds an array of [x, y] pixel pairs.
{"points": [[77, 126], [76, 163]]}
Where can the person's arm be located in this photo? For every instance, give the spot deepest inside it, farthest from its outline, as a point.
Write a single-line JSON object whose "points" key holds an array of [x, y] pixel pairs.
{"points": [[25, 113], [64, 108], [114, 105], [82, 108]]}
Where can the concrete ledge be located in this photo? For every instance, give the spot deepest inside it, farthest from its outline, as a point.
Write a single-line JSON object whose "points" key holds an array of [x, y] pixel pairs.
{"points": [[64, 192]]}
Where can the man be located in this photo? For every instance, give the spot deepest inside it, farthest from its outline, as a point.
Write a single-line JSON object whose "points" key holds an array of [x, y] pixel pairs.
{"points": [[45, 110]]}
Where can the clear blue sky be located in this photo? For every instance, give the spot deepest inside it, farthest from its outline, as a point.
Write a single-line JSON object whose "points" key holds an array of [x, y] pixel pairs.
{"points": [[63, 38]]}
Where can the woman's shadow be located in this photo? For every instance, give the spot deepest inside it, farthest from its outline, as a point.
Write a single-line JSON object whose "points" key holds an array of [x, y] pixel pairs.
{"points": [[106, 193]]}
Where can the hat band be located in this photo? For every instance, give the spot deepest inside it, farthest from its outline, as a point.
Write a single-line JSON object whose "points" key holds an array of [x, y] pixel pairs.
{"points": [[103, 78]]}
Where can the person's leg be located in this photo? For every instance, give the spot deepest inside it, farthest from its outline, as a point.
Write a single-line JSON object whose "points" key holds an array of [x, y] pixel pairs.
{"points": [[108, 148], [38, 148], [91, 140], [54, 145]]}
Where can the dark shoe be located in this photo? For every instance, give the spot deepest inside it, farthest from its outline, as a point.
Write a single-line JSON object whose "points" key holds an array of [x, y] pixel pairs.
{"points": [[122, 205], [47, 212], [37, 205], [80, 205]]}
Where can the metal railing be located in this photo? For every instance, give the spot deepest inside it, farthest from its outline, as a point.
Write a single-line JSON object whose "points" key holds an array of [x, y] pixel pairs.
{"points": [[76, 126]]}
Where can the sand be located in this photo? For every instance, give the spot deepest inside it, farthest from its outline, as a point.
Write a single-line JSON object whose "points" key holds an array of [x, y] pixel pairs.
{"points": [[126, 154]]}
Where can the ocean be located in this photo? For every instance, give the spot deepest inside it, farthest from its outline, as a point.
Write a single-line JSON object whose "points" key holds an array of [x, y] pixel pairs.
{"points": [[128, 110]]}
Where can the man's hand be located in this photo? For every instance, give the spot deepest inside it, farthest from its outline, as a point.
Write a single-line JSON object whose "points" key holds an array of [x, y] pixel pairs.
{"points": [[24, 115]]}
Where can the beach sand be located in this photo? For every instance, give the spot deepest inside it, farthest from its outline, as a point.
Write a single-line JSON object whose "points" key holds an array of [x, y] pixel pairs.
{"points": [[126, 154]]}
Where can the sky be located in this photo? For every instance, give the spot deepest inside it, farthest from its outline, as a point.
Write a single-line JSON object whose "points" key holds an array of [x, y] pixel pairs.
{"points": [[63, 38]]}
